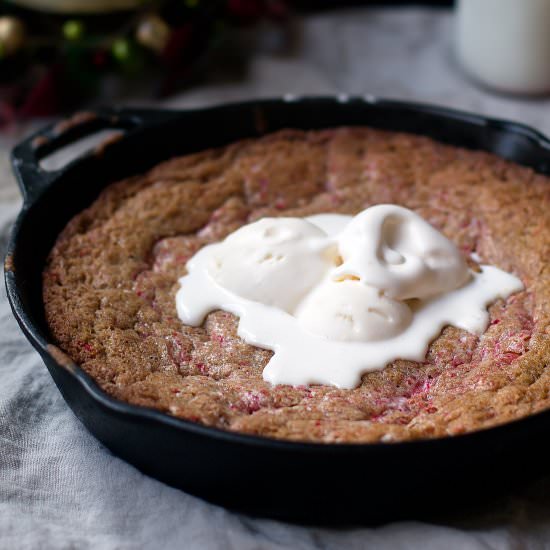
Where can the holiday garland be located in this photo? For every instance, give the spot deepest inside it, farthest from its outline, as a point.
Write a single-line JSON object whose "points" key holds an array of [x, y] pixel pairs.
{"points": [[55, 53]]}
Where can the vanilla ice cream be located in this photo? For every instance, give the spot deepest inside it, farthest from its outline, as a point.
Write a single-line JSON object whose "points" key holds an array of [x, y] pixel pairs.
{"points": [[335, 296], [275, 261]]}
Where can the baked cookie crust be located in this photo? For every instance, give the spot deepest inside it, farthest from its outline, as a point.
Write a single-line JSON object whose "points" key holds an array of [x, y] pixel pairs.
{"points": [[110, 281]]}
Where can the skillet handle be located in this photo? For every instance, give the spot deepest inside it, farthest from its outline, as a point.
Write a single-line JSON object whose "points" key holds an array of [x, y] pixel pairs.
{"points": [[26, 157]]}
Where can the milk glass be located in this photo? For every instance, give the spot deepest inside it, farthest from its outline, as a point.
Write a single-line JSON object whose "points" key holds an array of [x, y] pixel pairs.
{"points": [[505, 44]]}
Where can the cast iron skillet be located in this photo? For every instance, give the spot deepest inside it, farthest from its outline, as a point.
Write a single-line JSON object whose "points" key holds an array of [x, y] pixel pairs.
{"points": [[296, 481]]}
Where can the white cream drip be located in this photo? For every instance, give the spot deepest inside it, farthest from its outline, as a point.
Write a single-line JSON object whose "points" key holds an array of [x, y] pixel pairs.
{"points": [[335, 296]]}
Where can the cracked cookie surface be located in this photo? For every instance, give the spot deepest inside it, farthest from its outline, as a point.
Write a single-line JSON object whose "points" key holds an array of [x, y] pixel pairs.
{"points": [[110, 281]]}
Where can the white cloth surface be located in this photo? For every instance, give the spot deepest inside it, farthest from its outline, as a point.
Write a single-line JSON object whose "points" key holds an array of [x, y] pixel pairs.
{"points": [[60, 488]]}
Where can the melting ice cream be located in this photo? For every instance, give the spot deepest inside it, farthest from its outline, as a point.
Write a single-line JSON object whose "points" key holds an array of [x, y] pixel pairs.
{"points": [[336, 296]]}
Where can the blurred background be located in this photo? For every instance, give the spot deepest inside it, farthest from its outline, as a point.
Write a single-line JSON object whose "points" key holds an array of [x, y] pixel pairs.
{"points": [[58, 56]]}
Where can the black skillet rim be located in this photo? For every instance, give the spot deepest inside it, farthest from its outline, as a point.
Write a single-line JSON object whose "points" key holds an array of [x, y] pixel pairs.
{"points": [[138, 413]]}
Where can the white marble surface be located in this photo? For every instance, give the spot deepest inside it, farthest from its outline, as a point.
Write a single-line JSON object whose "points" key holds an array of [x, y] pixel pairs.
{"points": [[404, 54]]}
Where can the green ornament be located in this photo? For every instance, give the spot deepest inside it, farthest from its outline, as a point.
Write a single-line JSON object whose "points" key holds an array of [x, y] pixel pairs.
{"points": [[191, 3], [121, 49], [128, 56], [73, 30]]}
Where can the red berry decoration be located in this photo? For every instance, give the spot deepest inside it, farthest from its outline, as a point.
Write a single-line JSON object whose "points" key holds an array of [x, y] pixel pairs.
{"points": [[45, 97], [50, 62], [247, 11], [277, 9], [100, 58]]}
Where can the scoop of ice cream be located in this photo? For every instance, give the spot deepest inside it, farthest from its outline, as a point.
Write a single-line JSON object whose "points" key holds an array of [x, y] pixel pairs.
{"points": [[343, 278], [393, 249], [275, 261], [351, 311], [331, 295]]}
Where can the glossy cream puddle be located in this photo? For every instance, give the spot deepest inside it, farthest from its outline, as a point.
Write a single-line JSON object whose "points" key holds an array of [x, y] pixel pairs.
{"points": [[336, 296]]}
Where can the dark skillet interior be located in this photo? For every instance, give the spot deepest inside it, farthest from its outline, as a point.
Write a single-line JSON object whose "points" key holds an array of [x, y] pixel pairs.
{"points": [[312, 483]]}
